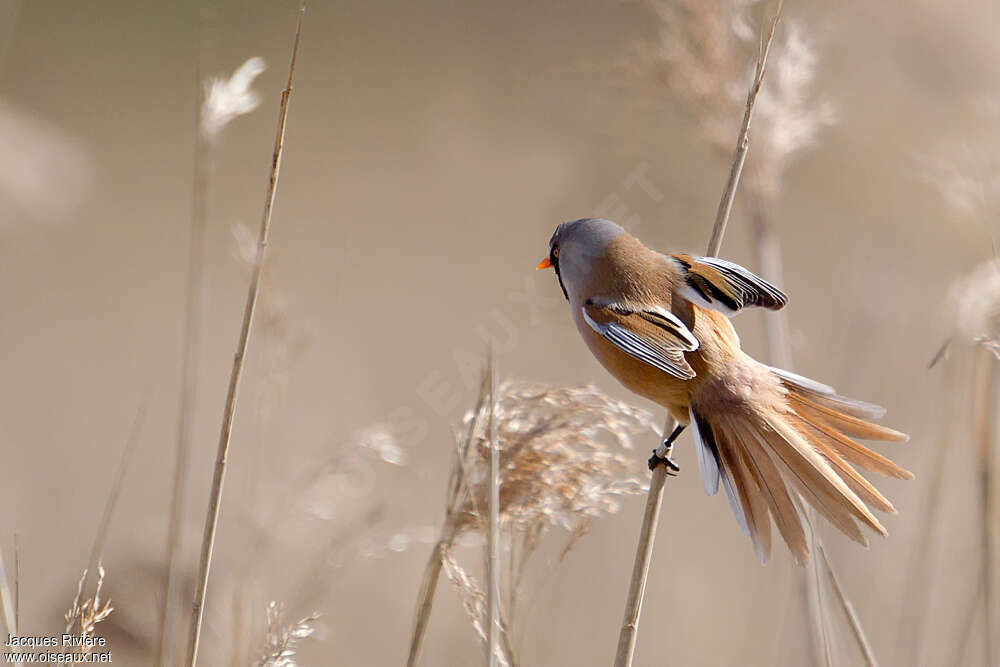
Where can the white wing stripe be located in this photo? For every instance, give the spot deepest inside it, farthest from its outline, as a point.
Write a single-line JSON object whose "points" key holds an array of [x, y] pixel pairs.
{"points": [[636, 347]]}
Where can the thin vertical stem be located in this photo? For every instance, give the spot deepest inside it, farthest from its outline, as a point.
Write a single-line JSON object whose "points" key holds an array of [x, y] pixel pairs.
{"points": [[215, 499], [984, 379], [640, 568], [97, 550], [647, 531], [743, 143], [17, 585], [7, 600], [189, 373], [493, 534], [852, 617], [779, 353], [768, 249], [428, 587]]}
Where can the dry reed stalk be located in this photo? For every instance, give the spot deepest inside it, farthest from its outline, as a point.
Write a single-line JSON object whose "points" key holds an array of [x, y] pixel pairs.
{"points": [[224, 100], [911, 633], [643, 555], [699, 66], [815, 600], [991, 527], [189, 374], [17, 584], [7, 601], [97, 550], [11, 607], [221, 100], [215, 499], [852, 616], [89, 613], [976, 299], [449, 532], [425, 596], [647, 531], [777, 336], [969, 622], [743, 143], [779, 353], [984, 380], [493, 533], [982, 396]]}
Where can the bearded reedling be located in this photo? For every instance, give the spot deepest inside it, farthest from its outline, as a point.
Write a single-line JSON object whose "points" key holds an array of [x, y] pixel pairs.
{"points": [[659, 324]]}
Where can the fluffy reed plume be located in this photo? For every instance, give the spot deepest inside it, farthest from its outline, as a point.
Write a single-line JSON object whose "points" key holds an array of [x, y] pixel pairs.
{"points": [[227, 99], [976, 299], [282, 638], [561, 466], [82, 617], [967, 171], [703, 58]]}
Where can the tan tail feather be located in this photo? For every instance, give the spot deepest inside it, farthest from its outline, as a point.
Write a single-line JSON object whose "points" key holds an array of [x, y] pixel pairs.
{"points": [[861, 486], [775, 493], [828, 479], [747, 491], [834, 513], [858, 428], [817, 477], [852, 451]]}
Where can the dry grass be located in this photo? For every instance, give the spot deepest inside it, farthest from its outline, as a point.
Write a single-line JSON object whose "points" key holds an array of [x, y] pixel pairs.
{"points": [[85, 613], [282, 638], [562, 464]]}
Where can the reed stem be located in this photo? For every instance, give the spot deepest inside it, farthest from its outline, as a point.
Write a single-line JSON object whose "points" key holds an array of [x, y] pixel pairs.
{"points": [[650, 518], [229, 412]]}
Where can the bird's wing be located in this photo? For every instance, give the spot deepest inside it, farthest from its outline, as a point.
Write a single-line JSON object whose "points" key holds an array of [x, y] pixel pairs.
{"points": [[714, 283], [651, 334]]}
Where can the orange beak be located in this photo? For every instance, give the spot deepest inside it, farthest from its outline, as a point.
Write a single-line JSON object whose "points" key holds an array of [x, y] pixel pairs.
{"points": [[544, 264]]}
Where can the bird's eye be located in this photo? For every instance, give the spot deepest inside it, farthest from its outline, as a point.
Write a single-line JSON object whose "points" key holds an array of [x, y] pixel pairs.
{"points": [[555, 253]]}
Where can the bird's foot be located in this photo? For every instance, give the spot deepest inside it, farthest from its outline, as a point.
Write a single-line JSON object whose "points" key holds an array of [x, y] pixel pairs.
{"points": [[656, 459]]}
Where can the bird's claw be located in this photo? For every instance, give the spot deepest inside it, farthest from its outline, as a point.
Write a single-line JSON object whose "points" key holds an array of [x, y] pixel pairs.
{"points": [[656, 459]]}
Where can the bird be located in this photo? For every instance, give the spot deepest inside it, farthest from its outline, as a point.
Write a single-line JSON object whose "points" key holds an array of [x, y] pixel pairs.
{"points": [[660, 324]]}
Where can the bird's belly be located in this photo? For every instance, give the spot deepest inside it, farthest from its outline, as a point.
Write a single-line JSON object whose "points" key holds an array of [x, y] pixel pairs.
{"points": [[637, 376]]}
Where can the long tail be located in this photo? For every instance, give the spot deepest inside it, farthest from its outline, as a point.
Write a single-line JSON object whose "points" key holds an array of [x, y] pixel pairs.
{"points": [[802, 443]]}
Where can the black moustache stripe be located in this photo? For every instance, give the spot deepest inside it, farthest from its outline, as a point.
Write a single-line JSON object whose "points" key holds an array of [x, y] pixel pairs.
{"points": [[555, 265]]}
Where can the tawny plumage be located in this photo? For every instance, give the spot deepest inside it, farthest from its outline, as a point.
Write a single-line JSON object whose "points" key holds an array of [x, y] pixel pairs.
{"points": [[659, 324]]}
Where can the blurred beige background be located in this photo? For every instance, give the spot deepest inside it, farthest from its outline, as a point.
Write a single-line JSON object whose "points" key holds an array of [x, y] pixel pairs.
{"points": [[431, 150]]}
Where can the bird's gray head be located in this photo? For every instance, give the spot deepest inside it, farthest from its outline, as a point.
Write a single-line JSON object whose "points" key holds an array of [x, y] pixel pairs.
{"points": [[575, 245]]}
